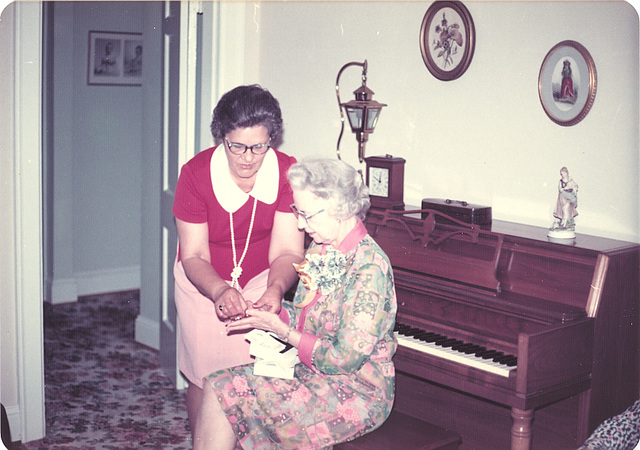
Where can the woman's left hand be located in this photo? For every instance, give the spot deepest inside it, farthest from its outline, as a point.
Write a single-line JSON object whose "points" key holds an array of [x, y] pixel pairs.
{"points": [[270, 302], [262, 320]]}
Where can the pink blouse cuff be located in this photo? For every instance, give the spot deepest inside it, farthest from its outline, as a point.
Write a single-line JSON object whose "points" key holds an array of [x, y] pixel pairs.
{"points": [[305, 349]]}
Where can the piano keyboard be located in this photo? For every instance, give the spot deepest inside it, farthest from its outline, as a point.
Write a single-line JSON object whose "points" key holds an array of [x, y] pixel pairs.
{"points": [[468, 354]]}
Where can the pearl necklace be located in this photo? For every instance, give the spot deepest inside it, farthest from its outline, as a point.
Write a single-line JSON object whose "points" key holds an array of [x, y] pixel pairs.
{"points": [[237, 265]]}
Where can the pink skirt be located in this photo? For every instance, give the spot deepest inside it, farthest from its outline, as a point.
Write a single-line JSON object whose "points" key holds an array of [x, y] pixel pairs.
{"points": [[203, 344]]}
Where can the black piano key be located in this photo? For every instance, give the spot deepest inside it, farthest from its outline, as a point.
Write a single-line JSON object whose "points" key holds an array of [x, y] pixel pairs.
{"points": [[417, 333], [460, 346], [498, 356], [412, 331], [433, 337], [421, 333], [489, 354], [508, 358], [472, 349], [481, 351], [426, 336], [447, 342], [511, 362], [464, 348]]}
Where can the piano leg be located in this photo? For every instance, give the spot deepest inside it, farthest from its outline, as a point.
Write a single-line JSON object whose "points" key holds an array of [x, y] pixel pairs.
{"points": [[521, 429]]}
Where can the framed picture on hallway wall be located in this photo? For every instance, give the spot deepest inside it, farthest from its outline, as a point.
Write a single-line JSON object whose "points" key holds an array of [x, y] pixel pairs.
{"points": [[115, 58], [567, 83]]}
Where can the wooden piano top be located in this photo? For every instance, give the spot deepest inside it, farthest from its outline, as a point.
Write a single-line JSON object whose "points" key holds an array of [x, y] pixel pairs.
{"points": [[513, 230], [539, 234], [514, 262]]}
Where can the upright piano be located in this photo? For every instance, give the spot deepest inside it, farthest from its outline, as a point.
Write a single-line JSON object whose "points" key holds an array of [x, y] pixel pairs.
{"points": [[497, 324]]}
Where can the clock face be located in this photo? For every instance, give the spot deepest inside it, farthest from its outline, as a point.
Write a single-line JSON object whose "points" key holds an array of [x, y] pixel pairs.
{"points": [[379, 181]]}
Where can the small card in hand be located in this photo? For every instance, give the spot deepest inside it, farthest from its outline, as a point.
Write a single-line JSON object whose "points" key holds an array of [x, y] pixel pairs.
{"points": [[274, 357]]}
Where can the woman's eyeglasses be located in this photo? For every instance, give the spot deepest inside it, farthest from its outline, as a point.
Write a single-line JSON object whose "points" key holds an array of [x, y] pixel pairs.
{"points": [[306, 217], [240, 149]]}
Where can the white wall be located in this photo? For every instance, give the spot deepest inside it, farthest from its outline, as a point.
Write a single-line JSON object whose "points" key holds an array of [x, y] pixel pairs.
{"points": [[483, 138]]}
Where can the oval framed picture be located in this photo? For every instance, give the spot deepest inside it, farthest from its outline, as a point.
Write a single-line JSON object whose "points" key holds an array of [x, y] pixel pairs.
{"points": [[567, 83], [447, 39]]}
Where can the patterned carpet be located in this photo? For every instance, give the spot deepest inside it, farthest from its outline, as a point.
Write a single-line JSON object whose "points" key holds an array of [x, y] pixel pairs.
{"points": [[102, 389]]}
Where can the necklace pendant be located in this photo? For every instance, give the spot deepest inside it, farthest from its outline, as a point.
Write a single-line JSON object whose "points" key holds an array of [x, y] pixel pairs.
{"points": [[236, 272]]}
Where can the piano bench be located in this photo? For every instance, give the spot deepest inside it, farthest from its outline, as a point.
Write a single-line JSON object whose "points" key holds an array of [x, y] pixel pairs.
{"points": [[403, 432]]}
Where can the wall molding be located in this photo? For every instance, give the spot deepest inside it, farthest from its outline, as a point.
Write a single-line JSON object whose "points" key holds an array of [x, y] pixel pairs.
{"points": [[13, 416], [62, 291], [147, 332], [67, 290], [108, 280]]}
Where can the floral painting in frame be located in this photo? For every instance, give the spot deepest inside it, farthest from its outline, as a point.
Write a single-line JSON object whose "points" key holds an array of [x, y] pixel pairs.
{"points": [[447, 39]]}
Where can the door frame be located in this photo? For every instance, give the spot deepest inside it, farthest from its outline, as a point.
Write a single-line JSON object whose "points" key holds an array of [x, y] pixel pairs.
{"points": [[212, 61], [28, 423]]}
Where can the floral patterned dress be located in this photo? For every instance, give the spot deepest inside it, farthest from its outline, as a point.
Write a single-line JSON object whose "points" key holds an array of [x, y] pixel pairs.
{"points": [[621, 432], [344, 385]]}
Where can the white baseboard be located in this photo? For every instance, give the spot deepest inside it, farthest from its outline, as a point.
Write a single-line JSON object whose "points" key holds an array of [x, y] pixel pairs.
{"points": [[108, 280], [68, 290], [13, 415], [147, 332], [64, 291]]}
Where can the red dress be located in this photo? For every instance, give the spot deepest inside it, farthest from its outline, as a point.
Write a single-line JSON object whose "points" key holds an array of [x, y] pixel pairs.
{"points": [[203, 345]]}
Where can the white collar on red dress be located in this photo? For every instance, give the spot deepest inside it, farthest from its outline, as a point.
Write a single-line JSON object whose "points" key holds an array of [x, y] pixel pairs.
{"points": [[229, 195]]}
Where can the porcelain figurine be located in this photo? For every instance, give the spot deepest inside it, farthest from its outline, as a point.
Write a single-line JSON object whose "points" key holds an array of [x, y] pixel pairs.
{"points": [[566, 207]]}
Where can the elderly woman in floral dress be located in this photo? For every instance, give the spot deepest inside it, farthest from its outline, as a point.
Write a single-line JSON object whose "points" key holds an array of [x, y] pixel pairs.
{"points": [[341, 322]]}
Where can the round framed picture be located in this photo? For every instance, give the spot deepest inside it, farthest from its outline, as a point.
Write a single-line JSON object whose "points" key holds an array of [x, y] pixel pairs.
{"points": [[447, 39], [567, 83]]}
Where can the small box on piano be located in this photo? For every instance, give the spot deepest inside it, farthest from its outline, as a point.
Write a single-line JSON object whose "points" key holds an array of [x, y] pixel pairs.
{"points": [[460, 210]]}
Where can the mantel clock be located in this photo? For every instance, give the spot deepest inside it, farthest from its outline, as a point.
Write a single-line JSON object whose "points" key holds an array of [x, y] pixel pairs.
{"points": [[385, 178]]}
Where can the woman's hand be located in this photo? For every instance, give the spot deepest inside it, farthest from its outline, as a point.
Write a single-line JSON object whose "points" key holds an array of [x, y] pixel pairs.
{"points": [[196, 260], [230, 303], [271, 301], [261, 320]]}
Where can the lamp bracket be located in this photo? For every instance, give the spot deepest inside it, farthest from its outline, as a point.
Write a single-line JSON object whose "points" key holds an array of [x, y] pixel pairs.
{"points": [[364, 83]]}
